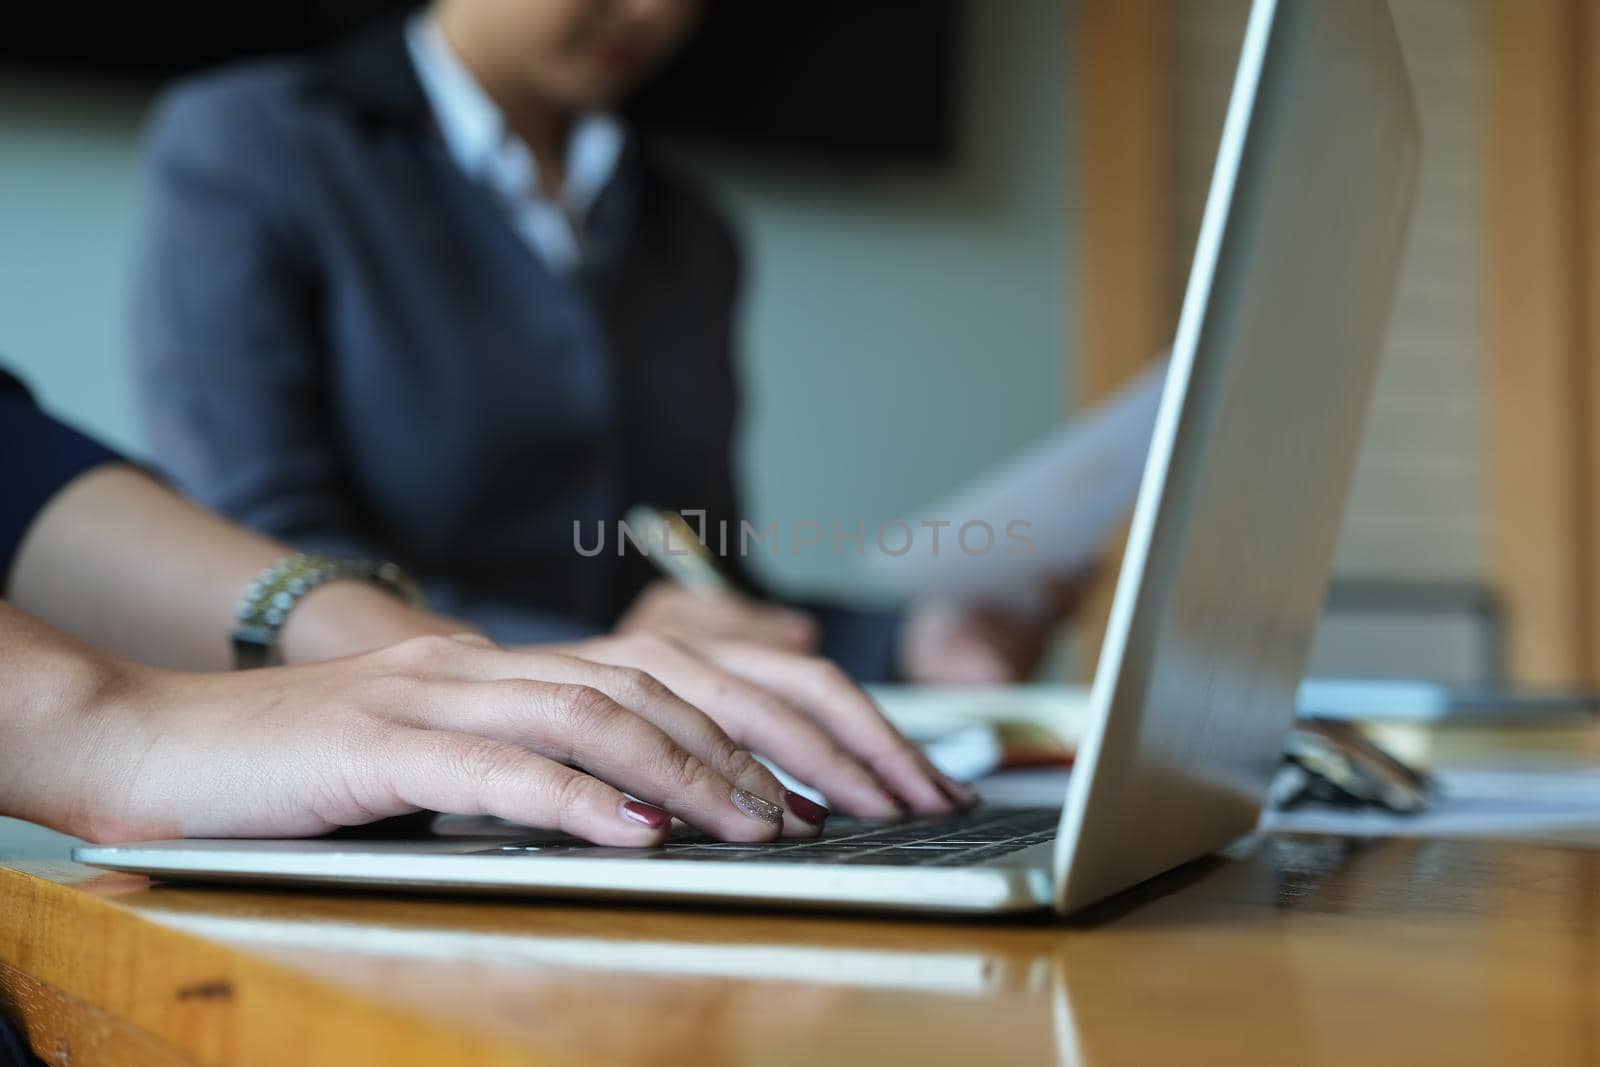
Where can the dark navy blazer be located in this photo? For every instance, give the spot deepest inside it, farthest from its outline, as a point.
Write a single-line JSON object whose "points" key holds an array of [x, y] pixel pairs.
{"points": [[38, 457], [342, 342]]}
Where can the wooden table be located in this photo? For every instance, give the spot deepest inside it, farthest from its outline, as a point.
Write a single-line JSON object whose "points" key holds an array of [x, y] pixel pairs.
{"points": [[1291, 950]]}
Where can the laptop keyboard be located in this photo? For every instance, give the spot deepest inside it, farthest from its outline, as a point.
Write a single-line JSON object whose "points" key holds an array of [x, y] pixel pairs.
{"points": [[964, 841]]}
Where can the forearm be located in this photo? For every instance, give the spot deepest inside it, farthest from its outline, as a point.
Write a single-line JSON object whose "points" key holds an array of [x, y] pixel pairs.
{"points": [[128, 565], [52, 683]]}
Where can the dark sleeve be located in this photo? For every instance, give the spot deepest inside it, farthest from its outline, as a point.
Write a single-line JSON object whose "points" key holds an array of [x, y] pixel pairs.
{"points": [[14, 1051], [225, 349], [38, 457], [865, 642]]}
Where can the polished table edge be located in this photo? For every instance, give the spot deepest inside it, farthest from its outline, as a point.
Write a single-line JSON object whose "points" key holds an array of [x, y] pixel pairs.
{"points": [[1329, 939], [67, 1030], [177, 997]]}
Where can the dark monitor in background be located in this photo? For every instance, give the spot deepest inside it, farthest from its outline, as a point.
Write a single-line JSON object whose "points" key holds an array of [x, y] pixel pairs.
{"points": [[151, 43], [846, 80], [861, 82]]}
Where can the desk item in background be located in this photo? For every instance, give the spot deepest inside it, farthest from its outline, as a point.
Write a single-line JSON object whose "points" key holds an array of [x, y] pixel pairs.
{"points": [[971, 752], [972, 733], [969, 734], [1547, 800], [1333, 763], [1422, 701], [1070, 492], [1553, 801], [965, 754], [1450, 631], [923, 711], [926, 711]]}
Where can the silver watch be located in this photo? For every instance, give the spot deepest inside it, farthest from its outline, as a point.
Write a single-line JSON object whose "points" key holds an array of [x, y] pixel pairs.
{"points": [[280, 587]]}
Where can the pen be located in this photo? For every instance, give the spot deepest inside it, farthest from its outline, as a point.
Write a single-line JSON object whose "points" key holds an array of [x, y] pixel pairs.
{"points": [[672, 546]]}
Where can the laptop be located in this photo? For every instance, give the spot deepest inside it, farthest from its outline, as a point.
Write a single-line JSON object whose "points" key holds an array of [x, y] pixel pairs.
{"points": [[1221, 583]]}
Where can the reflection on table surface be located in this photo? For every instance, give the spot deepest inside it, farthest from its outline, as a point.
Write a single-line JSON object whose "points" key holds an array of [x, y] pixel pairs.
{"points": [[1291, 949]]}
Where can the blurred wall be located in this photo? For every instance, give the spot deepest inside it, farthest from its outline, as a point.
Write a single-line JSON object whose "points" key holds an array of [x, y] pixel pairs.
{"points": [[905, 330], [68, 155], [902, 329]]}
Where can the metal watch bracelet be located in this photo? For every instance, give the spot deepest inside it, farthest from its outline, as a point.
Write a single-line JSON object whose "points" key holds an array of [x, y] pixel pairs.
{"points": [[276, 591]]}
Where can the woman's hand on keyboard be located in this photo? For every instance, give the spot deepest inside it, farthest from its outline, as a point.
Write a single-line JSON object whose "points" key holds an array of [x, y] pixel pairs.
{"points": [[108, 750], [801, 712]]}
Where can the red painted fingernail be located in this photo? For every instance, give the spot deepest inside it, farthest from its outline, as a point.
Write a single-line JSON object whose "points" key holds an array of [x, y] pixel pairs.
{"points": [[805, 809], [646, 814]]}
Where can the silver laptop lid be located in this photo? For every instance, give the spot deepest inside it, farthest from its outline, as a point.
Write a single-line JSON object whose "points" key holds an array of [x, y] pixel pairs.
{"points": [[1233, 534]]}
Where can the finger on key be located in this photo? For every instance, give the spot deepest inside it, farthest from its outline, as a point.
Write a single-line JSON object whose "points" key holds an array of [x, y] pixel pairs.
{"points": [[466, 774], [826, 694], [760, 721], [581, 726], [644, 695]]}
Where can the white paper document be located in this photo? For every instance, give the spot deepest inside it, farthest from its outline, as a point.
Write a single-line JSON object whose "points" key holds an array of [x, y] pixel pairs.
{"points": [[1547, 805], [1047, 512], [1523, 803]]}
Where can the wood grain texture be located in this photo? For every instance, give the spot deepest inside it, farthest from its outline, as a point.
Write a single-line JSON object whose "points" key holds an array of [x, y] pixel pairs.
{"points": [[67, 1031], [1289, 950], [87, 956]]}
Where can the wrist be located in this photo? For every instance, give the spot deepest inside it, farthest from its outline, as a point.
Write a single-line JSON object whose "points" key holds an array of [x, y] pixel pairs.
{"points": [[63, 706], [344, 618]]}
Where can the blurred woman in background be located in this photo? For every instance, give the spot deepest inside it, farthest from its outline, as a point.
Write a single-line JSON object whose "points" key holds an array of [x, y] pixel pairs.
{"points": [[424, 297]]}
